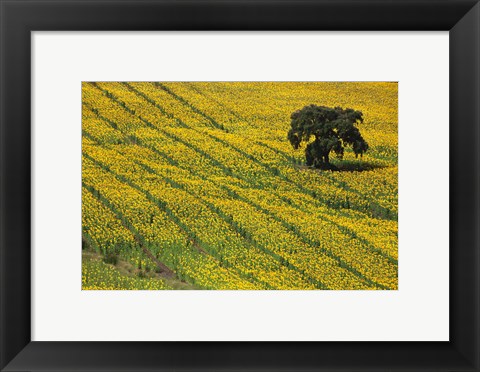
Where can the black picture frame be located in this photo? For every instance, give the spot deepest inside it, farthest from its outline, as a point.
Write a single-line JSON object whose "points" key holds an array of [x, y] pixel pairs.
{"points": [[18, 18]]}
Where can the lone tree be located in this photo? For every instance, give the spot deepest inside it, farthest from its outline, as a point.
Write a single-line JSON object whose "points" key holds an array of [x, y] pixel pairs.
{"points": [[333, 129]]}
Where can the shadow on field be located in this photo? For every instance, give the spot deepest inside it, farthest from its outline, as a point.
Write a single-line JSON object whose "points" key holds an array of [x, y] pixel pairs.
{"points": [[357, 166], [346, 166]]}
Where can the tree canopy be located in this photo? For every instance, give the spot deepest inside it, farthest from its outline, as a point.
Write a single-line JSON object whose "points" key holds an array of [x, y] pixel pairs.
{"points": [[332, 128]]}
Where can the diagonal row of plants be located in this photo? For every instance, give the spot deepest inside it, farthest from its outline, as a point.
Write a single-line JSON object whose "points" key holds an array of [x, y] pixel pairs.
{"points": [[164, 269]]}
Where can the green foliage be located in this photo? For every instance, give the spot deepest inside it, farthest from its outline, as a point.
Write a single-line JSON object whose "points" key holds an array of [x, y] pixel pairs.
{"points": [[110, 258], [332, 128]]}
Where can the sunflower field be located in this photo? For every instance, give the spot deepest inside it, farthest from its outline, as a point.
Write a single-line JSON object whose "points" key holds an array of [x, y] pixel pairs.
{"points": [[194, 185]]}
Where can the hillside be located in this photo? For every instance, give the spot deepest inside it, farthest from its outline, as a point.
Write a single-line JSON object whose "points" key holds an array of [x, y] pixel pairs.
{"points": [[196, 183]]}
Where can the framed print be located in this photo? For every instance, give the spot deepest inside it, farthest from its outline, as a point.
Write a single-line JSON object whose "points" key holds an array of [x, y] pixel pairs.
{"points": [[239, 185]]}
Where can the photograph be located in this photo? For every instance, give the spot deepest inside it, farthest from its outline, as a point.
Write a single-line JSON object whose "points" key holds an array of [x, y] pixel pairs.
{"points": [[240, 185]]}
